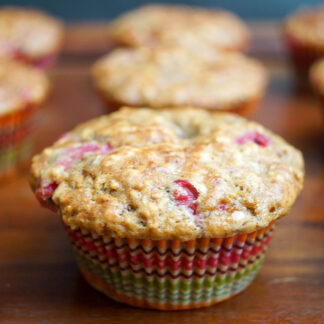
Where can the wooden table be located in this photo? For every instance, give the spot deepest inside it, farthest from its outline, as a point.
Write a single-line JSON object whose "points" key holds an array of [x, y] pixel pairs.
{"points": [[39, 280]]}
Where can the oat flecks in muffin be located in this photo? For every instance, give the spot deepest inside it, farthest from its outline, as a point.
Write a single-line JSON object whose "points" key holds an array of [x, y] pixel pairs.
{"points": [[20, 86], [189, 27], [28, 34], [307, 27], [171, 76], [172, 174]]}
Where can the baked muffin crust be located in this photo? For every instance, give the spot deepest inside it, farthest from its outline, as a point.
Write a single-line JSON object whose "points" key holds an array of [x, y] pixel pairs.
{"points": [[184, 26], [174, 174], [307, 27], [28, 33], [20, 86], [172, 76]]}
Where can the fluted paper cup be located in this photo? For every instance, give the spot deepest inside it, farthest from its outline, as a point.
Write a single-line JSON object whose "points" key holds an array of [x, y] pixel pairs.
{"points": [[170, 274]]}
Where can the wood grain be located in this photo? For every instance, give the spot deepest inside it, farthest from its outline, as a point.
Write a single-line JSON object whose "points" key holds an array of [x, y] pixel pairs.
{"points": [[39, 281]]}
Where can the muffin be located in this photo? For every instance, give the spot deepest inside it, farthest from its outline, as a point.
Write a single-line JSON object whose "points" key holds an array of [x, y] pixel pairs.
{"points": [[190, 27], [316, 76], [30, 36], [22, 89], [304, 36], [169, 209], [172, 76]]}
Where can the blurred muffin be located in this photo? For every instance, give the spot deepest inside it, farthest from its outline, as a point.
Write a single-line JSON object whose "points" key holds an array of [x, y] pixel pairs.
{"points": [[304, 36], [22, 89], [30, 36], [317, 78], [184, 26], [169, 209], [172, 76]]}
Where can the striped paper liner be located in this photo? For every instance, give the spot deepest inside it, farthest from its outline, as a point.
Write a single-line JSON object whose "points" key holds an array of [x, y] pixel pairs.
{"points": [[244, 108], [44, 63], [17, 118], [170, 274], [14, 156], [11, 136], [302, 56], [15, 146]]}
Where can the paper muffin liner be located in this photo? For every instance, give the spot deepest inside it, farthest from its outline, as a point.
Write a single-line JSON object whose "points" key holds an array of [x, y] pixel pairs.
{"points": [[170, 274], [18, 118], [302, 56], [44, 63], [15, 156], [245, 108], [317, 88], [16, 140], [320, 98]]}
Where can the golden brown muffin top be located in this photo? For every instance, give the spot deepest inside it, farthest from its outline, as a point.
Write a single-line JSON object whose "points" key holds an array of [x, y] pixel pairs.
{"points": [[172, 76], [28, 33], [307, 27], [190, 27], [20, 86], [317, 76], [172, 174]]}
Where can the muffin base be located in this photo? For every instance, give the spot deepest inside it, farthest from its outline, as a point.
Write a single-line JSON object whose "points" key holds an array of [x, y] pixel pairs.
{"points": [[14, 156], [45, 63], [114, 43], [302, 56], [316, 87], [245, 108], [170, 274], [16, 140], [17, 118]]}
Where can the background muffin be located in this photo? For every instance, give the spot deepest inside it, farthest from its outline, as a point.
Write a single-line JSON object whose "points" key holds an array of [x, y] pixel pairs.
{"points": [[30, 36], [180, 25], [171, 209], [171, 76], [304, 36], [317, 78], [22, 90]]}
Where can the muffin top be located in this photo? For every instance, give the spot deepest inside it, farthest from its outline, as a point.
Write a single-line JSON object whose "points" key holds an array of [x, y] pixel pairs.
{"points": [[171, 76], [171, 174], [307, 27], [317, 76], [21, 86], [186, 26], [28, 34]]}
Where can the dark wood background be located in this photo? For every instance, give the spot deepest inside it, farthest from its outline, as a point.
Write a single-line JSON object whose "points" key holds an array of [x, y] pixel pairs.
{"points": [[39, 281]]}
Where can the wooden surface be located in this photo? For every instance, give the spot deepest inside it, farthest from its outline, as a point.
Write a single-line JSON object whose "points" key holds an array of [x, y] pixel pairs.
{"points": [[39, 280]]}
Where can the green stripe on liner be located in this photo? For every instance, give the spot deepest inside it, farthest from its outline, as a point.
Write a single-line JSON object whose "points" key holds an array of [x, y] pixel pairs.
{"points": [[9, 156], [179, 298], [132, 283]]}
